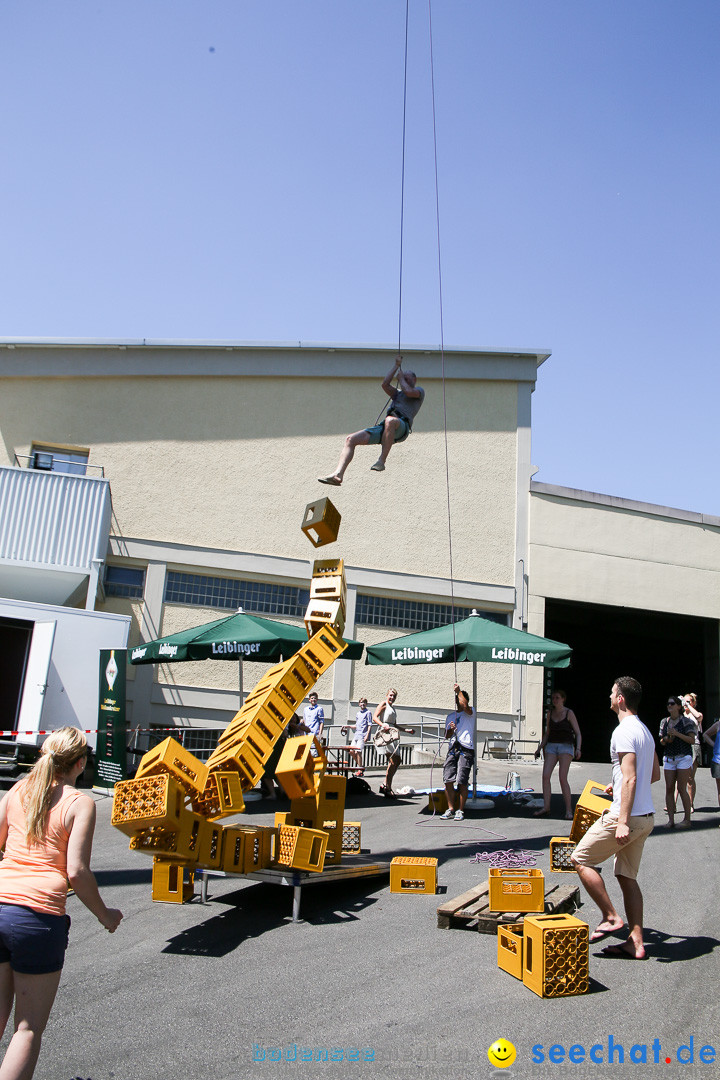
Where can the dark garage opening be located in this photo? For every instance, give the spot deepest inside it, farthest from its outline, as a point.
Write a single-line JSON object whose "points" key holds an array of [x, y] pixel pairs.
{"points": [[15, 637], [668, 654]]}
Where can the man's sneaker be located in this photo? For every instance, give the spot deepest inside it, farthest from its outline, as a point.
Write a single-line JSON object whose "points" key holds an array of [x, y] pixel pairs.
{"points": [[459, 816], [447, 815], [379, 466]]}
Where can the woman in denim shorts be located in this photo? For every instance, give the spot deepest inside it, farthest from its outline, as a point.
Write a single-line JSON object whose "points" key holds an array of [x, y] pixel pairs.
{"points": [[561, 743], [677, 736], [46, 827]]}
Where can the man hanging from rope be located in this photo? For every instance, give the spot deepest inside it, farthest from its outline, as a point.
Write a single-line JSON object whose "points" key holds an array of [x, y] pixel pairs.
{"points": [[406, 398]]}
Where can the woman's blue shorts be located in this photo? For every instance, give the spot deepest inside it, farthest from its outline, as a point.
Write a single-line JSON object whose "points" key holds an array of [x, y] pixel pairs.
{"points": [[32, 942]]}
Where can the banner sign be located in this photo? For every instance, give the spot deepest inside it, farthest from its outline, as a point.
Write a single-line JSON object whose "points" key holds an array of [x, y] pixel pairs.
{"points": [[111, 753]]}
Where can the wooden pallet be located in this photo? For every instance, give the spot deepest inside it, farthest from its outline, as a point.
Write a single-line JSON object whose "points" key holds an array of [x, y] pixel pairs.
{"points": [[471, 911]]}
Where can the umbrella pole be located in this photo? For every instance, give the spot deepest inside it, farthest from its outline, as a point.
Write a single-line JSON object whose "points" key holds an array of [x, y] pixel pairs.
{"points": [[240, 684], [476, 728]]}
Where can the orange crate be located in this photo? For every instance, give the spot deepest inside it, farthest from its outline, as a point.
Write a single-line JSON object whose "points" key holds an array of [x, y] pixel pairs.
{"points": [[556, 955], [510, 948], [516, 890], [413, 874]]}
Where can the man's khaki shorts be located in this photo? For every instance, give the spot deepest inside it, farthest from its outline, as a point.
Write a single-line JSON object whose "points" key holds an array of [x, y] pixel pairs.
{"points": [[599, 843]]}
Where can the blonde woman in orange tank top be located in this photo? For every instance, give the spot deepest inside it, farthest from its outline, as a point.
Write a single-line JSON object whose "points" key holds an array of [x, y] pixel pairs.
{"points": [[46, 828]]}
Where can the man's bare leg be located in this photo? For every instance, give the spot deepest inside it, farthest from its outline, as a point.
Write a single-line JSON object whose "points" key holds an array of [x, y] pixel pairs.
{"points": [[386, 443], [633, 900], [358, 438], [450, 792], [595, 888]]}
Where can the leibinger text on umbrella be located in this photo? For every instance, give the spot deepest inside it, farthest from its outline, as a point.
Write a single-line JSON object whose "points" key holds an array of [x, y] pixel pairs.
{"points": [[228, 648], [519, 655], [418, 654]]}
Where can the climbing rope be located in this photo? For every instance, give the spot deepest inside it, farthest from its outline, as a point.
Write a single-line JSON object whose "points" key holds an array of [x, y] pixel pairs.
{"points": [[507, 859]]}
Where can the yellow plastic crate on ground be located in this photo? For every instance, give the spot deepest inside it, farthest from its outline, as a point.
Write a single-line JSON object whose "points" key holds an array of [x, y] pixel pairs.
{"points": [[516, 890], [413, 874], [556, 955]]}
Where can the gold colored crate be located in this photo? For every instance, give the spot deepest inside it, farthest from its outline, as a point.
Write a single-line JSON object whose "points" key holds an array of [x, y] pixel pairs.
{"points": [[351, 837], [413, 874], [302, 849], [516, 890], [588, 809], [152, 800], [169, 884], [561, 848], [321, 522], [170, 757], [510, 946], [556, 955]]}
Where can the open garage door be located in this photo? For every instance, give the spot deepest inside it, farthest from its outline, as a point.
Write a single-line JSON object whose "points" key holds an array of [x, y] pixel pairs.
{"points": [[669, 654]]}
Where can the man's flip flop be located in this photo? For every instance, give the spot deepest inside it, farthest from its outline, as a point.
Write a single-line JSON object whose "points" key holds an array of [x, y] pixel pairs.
{"points": [[331, 480], [616, 952]]}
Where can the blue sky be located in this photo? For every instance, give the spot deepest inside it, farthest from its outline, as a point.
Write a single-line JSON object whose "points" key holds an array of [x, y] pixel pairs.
{"points": [[214, 169]]}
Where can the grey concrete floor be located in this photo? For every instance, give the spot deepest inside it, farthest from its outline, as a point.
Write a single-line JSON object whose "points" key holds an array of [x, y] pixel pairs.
{"points": [[199, 992]]}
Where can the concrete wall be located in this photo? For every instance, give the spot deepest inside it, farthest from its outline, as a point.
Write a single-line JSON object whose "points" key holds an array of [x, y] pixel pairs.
{"points": [[598, 549]]}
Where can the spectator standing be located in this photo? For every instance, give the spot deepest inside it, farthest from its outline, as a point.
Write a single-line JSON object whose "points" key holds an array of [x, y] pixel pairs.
{"points": [[46, 826]]}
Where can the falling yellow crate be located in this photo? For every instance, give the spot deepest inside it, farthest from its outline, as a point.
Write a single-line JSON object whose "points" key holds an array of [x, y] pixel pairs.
{"points": [[170, 757], [152, 800], [321, 522], [302, 849], [169, 882]]}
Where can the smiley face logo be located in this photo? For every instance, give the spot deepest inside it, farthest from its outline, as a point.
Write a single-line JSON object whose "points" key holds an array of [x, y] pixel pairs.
{"points": [[501, 1054]]}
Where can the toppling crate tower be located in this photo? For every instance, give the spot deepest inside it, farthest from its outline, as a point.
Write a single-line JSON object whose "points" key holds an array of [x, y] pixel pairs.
{"points": [[171, 809]]}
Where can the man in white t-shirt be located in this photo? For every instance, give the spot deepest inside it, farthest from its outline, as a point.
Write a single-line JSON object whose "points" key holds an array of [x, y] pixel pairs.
{"points": [[622, 830], [460, 730]]}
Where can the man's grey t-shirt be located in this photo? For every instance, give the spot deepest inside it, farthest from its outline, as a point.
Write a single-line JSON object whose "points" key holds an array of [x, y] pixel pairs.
{"points": [[408, 407]]}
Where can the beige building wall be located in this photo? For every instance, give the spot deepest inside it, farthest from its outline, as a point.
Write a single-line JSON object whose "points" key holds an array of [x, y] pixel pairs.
{"points": [[213, 453], [598, 549]]}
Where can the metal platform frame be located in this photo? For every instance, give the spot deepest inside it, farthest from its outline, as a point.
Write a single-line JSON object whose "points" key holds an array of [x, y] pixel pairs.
{"points": [[352, 866]]}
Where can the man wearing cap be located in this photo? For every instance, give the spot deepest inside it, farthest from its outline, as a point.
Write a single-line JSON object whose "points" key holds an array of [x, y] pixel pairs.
{"points": [[397, 425]]}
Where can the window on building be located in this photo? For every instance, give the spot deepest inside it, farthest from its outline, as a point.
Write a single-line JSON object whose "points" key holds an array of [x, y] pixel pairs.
{"points": [[257, 596], [64, 459], [412, 614], [124, 581]]}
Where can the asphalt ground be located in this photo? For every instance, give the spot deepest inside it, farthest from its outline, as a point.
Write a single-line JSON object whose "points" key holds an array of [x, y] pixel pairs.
{"points": [[200, 992]]}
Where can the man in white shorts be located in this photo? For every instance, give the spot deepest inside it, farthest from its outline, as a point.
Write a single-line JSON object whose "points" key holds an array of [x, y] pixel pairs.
{"points": [[622, 830], [363, 726]]}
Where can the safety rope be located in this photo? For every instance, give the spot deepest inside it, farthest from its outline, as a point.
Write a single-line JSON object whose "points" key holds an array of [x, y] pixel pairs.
{"points": [[442, 335]]}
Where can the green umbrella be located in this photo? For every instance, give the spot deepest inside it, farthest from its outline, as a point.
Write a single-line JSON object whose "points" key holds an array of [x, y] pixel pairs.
{"points": [[475, 639], [235, 637], [472, 639]]}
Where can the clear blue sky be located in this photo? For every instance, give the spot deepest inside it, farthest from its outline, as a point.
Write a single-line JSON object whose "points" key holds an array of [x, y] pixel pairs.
{"points": [[213, 169]]}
